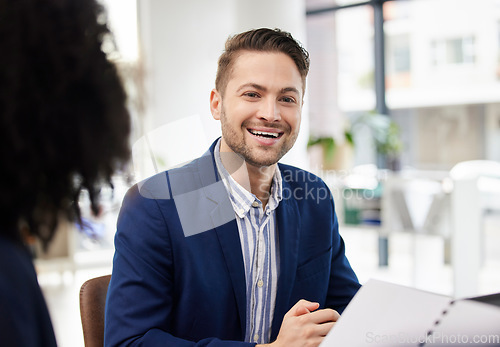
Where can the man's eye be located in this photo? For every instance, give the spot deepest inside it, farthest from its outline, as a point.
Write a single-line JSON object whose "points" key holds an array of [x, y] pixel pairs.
{"points": [[252, 94], [287, 99]]}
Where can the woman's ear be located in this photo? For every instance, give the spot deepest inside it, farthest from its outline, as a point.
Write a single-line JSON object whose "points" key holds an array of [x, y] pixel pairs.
{"points": [[215, 104]]}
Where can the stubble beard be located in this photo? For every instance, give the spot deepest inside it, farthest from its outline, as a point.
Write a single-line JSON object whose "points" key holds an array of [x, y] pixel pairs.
{"points": [[240, 147]]}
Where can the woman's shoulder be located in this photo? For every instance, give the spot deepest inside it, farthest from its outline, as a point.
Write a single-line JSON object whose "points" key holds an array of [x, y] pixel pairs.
{"points": [[25, 319]]}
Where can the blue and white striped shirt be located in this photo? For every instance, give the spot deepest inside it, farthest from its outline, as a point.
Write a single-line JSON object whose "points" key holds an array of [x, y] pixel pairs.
{"points": [[259, 245]]}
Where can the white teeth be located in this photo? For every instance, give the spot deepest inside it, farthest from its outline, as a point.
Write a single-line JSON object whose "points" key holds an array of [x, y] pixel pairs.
{"points": [[264, 133]]}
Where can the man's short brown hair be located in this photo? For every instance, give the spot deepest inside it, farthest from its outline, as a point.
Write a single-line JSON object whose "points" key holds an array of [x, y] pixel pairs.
{"points": [[262, 40]]}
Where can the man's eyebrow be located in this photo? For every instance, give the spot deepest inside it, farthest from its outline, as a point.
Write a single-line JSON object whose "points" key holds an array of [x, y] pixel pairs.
{"points": [[252, 85], [264, 89], [290, 89]]}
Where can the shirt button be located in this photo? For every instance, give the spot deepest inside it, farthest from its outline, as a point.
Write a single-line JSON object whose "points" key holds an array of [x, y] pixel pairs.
{"points": [[256, 337], [255, 204], [241, 211], [260, 283]]}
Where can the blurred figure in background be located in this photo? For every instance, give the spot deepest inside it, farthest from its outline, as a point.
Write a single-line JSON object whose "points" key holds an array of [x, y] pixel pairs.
{"points": [[64, 127]]}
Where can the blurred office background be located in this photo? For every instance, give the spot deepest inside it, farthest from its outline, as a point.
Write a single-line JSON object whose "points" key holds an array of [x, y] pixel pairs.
{"points": [[401, 119]]}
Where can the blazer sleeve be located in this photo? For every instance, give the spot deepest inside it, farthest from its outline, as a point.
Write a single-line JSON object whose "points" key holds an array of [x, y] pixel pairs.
{"points": [[343, 283], [140, 298]]}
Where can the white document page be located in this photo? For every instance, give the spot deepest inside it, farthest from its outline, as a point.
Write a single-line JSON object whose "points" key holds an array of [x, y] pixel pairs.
{"points": [[467, 323], [386, 314]]}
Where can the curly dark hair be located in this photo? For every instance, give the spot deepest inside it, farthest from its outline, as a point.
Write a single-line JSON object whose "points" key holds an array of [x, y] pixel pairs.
{"points": [[64, 124]]}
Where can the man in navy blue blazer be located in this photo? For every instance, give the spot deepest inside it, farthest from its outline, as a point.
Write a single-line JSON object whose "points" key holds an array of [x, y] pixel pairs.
{"points": [[234, 248]]}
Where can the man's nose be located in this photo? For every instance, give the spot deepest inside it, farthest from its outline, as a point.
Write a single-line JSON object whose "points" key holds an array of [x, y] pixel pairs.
{"points": [[270, 111]]}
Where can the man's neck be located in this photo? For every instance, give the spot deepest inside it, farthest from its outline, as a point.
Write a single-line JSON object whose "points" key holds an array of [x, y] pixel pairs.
{"points": [[255, 179], [261, 179]]}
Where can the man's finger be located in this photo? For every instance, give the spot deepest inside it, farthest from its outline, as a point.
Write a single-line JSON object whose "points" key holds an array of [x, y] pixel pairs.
{"points": [[324, 316], [301, 310], [303, 307], [324, 328]]}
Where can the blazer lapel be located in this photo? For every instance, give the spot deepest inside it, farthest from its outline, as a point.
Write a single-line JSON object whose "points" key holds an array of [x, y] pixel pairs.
{"points": [[288, 222], [226, 228], [229, 240]]}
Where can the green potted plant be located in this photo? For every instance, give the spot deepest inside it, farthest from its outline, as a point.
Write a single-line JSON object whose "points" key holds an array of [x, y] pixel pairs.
{"points": [[335, 155], [387, 138]]}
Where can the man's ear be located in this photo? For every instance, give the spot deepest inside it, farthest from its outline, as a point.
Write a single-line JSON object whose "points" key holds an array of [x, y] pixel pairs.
{"points": [[215, 104]]}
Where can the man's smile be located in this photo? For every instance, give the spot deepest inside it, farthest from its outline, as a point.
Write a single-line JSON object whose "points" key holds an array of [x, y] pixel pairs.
{"points": [[270, 134]]}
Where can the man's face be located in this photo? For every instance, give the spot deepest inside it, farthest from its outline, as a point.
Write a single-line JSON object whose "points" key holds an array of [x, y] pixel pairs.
{"points": [[261, 108]]}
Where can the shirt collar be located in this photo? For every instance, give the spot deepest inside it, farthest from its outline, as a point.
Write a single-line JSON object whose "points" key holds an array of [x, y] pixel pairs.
{"points": [[241, 198]]}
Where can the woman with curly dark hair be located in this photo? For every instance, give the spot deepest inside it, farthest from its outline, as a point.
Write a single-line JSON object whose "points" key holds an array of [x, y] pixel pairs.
{"points": [[63, 127]]}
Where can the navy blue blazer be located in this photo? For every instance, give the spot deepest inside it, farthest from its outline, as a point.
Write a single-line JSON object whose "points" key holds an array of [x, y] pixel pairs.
{"points": [[178, 276]]}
